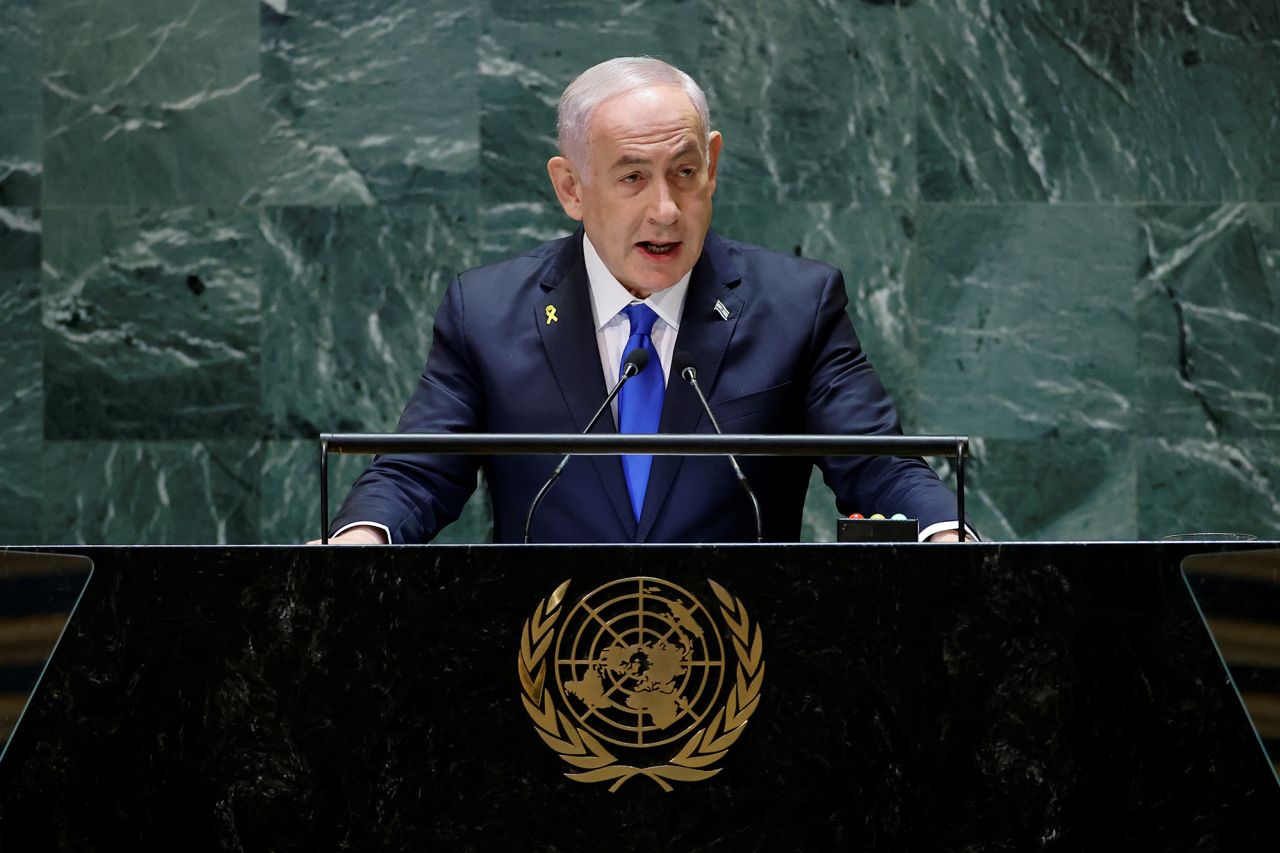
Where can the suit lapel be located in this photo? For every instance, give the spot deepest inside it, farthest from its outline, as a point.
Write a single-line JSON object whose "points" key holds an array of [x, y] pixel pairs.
{"points": [[570, 342], [704, 335]]}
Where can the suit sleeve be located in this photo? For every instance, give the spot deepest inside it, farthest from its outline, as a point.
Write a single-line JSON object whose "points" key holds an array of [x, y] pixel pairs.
{"points": [[415, 495], [845, 397]]}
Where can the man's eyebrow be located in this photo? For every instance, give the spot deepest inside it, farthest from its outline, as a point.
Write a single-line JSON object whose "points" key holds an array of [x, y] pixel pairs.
{"points": [[688, 148], [630, 160]]}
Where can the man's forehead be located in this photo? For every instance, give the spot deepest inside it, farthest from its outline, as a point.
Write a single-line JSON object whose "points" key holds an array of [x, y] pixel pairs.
{"points": [[641, 117]]}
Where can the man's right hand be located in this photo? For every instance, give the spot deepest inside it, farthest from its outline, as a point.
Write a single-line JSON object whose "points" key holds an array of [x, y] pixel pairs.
{"points": [[361, 534]]}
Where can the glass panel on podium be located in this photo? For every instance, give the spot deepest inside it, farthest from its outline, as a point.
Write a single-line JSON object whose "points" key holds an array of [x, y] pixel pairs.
{"points": [[38, 594], [1238, 594]]}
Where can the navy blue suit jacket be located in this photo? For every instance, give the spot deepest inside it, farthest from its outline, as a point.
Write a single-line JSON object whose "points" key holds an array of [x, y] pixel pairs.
{"points": [[785, 361]]}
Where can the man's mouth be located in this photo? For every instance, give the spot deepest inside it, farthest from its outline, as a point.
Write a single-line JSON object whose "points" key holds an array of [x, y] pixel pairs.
{"points": [[657, 249]]}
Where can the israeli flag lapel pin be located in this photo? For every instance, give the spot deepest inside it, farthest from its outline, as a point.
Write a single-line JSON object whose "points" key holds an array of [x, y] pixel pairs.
{"points": [[721, 310]]}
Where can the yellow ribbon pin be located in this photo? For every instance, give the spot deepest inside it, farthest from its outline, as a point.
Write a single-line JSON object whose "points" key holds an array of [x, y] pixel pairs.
{"points": [[551, 315]]}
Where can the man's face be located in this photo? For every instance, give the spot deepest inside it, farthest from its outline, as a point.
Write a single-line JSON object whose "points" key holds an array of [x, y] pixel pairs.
{"points": [[647, 206]]}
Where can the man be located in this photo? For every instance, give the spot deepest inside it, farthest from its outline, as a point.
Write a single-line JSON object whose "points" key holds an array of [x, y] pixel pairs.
{"points": [[532, 344]]}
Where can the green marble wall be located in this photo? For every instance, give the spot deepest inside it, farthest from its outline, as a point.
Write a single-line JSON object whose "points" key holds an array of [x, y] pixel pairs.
{"points": [[225, 226]]}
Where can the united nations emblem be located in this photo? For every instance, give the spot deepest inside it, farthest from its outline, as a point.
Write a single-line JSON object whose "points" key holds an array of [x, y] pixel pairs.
{"points": [[638, 668]]}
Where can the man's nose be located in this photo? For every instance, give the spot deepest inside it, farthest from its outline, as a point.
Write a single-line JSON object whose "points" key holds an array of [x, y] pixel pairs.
{"points": [[663, 209]]}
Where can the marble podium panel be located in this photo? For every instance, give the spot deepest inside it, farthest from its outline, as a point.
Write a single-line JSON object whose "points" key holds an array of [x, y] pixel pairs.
{"points": [[914, 697]]}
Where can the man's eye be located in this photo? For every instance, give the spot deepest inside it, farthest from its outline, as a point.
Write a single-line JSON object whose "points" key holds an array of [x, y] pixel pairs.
{"points": [[630, 179], [688, 172]]}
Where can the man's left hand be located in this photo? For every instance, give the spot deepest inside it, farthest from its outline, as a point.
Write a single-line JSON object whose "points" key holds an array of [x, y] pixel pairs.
{"points": [[949, 536]]}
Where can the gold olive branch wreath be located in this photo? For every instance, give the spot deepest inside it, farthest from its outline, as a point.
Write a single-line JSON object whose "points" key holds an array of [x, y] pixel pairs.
{"points": [[583, 750]]}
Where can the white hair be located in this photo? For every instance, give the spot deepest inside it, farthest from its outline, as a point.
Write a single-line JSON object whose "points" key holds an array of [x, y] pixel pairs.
{"points": [[609, 79]]}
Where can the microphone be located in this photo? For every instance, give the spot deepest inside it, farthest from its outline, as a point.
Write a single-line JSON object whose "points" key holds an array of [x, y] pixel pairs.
{"points": [[637, 361], [683, 364]]}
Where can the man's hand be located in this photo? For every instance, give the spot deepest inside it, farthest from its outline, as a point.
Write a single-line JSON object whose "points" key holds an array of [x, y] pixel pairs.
{"points": [[361, 534], [949, 536]]}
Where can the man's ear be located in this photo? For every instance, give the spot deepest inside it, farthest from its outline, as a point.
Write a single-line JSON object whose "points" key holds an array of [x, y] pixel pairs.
{"points": [[568, 187], [714, 144]]}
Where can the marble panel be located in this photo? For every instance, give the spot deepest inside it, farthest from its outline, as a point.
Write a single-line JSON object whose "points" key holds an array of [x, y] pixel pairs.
{"points": [[349, 297], [150, 102], [1053, 488], [151, 324], [984, 698], [1024, 101], [1208, 89], [511, 228], [1192, 485], [291, 496], [816, 103], [21, 391], [158, 493], [1209, 321], [1026, 320], [812, 103], [818, 523], [291, 489], [19, 104], [368, 102]]}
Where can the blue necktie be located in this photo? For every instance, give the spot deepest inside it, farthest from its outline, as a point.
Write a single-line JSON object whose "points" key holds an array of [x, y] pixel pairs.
{"points": [[640, 401]]}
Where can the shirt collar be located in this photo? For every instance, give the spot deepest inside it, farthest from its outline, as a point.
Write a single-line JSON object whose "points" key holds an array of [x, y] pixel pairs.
{"points": [[609, 297]]}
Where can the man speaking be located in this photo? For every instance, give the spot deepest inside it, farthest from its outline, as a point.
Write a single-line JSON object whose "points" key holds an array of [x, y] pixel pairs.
{"points": [[535, 344]]}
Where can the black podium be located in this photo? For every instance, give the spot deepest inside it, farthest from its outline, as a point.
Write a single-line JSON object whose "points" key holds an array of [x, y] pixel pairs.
{"points": [[814, 697]]}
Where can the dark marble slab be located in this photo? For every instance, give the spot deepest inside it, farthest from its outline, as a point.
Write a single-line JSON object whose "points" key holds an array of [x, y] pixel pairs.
{"points": [[1056, 697], [150, 103], [1025, 101], [154, 492], [507, 229], [368, 102], [1058, 487], [349, 297], [1189, 485], [1209, 320], [1019, 338], [1208, 87], [21, 394], [291, 489], [151, 324], [815, 104], [19, 104]]}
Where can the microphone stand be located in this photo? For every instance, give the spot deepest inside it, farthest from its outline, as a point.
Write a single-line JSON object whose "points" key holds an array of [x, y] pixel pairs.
{"points": [[690, 375], [635, 363]]}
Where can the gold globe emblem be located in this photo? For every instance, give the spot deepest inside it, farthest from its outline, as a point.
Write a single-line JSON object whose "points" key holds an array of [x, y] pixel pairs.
{"points": [[639, 662], [640, 666]]}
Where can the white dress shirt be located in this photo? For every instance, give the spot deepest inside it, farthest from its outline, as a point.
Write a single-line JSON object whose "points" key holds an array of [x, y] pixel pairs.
{"points": [[609, 297]]}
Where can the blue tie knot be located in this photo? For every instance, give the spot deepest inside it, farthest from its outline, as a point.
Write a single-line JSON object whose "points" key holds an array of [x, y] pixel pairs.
{"points": [[641, 317]]}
